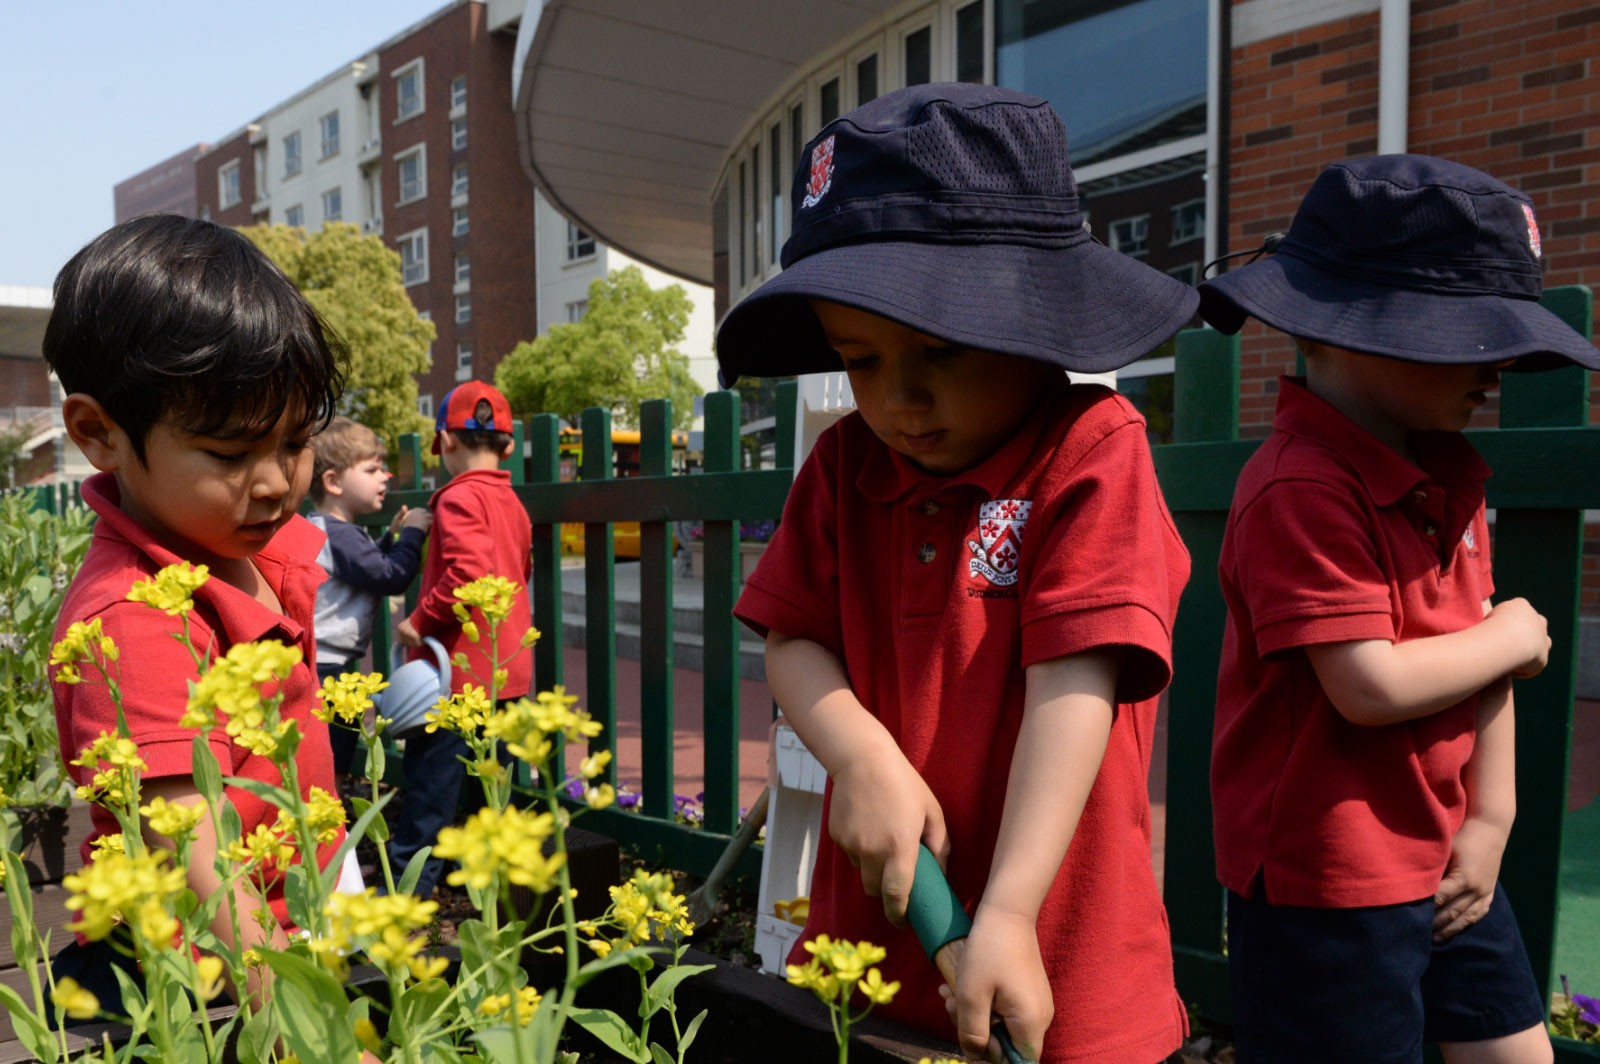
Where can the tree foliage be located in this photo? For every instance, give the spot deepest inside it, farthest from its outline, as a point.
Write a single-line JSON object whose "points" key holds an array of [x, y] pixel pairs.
{"points": [[354, 282], [623, 351]]}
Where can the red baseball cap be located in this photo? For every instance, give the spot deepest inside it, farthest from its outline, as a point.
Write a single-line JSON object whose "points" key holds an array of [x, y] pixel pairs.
{"points": [[459, 409]]}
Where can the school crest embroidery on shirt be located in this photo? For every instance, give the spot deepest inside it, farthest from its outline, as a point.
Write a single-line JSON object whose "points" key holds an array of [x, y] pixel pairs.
{"points": [[821, 179], [1469, 539], [998, 547]]}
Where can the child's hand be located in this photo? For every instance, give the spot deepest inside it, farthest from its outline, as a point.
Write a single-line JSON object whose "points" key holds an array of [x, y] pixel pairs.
{"points": [[1523, 622], [1464, 896], [1000, 975], [406, 634], [881, 810], [420, 518]]}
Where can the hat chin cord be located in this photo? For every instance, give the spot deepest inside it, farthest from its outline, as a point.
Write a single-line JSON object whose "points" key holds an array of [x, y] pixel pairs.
{"points": [[1269, 244]]}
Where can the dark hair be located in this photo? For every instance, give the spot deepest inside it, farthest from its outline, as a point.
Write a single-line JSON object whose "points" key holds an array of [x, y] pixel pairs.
{"points": [[166, 318]]}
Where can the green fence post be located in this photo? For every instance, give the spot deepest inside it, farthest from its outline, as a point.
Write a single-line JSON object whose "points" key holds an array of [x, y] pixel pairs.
{"points": [[788, 406], [516, 463], [599, 588], [1206, 410], [656, 657], [544, 467], [721, 631], [1538, 555]]}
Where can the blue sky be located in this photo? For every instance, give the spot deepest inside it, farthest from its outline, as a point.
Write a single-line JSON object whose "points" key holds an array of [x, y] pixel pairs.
{"points": [[93, 91]]}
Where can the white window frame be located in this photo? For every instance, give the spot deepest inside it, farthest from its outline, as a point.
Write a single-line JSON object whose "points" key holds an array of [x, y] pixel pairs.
{"points": [[576, 239], [460, 221], [464, 360], [947, 51], [459, 180], [337, 201], [419, 152], [230, 189], [425, 405], [463, 308], [413, 68], [458, 134], [1187, 272], [330, 144], [458, 93], [576, 310], [293, 161], [850, 98], [934, 23], [1199, 232], [1139, 225], [417, 239], [463, 269], [294, 216]]}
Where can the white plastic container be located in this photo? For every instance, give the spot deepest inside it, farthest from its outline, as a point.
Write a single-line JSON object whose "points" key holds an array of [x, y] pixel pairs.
{"points": [[794, 826]]}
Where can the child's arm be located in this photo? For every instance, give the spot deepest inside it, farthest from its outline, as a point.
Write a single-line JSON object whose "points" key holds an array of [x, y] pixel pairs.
{"points": [[1066, 722], [881, 807], [1490, 778], [1375, 682], [365, 566]]}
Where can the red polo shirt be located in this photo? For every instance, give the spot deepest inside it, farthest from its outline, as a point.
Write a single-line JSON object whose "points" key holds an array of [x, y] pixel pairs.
{"points": [[479, 529], [936, 593], [1333, 537], [154, 669]]}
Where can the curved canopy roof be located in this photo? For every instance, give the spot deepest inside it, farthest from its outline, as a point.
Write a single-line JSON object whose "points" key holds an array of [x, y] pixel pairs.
{"points": [[627, 109]]}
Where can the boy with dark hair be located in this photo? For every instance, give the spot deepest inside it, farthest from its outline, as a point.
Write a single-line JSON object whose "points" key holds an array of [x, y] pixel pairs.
{"points": [[1362, 766], [480, 529], [195, 376], [968, 605], [348, 479]]}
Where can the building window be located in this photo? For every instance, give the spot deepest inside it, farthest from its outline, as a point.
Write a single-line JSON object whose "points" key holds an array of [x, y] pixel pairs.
{"points": [[828, 101], [775, 192], [867, 80], [576, 310], [1189, 221], [425, 406], [463, 362], [294, 217], [580, 245], [460, 224], [738, 221], [458, 180], [458, 134], [329, 124], [412, 171], [1131, 236], [458, 92], [332, 205], [408, 91], [463, 309], [1188, 273], [414, 257], [919, 56], [228, 194], [463, 269], [757, 208], [969, 43], [291, 154]]}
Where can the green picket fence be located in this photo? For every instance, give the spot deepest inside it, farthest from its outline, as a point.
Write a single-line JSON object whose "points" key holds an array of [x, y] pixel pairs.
{"points": [[1544, 456]]}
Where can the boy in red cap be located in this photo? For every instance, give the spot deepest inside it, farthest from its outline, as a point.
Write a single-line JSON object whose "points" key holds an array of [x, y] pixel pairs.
{"points": [[968, 605], [479, 529], [1362, 766], [195, 375]]}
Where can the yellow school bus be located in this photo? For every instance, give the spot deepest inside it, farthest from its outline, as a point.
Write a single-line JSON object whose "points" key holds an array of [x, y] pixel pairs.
{"points": [[625, 448]]}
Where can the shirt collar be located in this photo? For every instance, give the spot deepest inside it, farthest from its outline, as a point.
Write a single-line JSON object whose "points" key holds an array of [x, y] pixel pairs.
{"points": [[887, 475], [501, 475], [1444, 458], [285, 563]]}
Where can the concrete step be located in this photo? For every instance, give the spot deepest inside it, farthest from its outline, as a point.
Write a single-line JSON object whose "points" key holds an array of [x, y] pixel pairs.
{"points": [[688, 648]]}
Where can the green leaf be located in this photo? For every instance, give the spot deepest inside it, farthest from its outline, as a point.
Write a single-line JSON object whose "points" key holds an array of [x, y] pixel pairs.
{"points": [[313, 1029], [499, 1043], [30, 1030], [659, 1055], [276, 796], [418, 1006], [413, 872], [315, 981], [614, 1031], [614, 959], [667, 983], [689, 1033], [367, 814], [297, 895], [207, 773]]}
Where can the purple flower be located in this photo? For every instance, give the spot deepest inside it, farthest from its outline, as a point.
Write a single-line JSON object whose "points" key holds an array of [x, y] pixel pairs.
{"points": [[627, 800], [574, 788], [1588, 1008]]}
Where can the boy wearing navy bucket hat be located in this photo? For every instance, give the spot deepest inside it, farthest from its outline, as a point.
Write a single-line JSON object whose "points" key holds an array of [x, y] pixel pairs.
{"points": [[1362, 765], [968, 605]]}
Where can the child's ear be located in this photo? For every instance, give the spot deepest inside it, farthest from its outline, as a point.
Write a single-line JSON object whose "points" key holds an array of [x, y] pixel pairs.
{"points": [[505, 452], [332, 482], [91, 427]]}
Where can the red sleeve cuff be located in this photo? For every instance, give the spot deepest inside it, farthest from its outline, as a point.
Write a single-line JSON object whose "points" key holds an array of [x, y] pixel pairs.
{"points": [[1139, 634], [763, 608], [1300, 631], [167, 758]]}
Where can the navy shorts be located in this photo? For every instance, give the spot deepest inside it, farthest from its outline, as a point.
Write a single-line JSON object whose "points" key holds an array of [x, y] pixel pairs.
{"points": [[1369, 984]]}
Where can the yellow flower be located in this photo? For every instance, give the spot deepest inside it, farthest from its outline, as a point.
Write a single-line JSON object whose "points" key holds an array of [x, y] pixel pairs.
{"points": [[105, 844], [367, 1034], [507, 844], [838, 966], [347, 697], [210, 971], [530, 637], [74, 1000], [80, 644], [117, 783], [470, 630], [139, 890], [599, 797], [324, 815], [431, 968], [463, 713], [172, 589], [493, 595], [265, 845], [173, 821], [594, 764], [383, 925], [527, 1004], [876, 990]]}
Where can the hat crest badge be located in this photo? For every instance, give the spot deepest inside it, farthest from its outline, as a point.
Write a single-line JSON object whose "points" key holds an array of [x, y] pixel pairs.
{"points": [[1534, 244], [821, 179]]}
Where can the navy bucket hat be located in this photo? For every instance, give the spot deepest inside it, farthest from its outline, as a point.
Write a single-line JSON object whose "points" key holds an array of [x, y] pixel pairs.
{"points": [[950, 209], [1408, 256]]}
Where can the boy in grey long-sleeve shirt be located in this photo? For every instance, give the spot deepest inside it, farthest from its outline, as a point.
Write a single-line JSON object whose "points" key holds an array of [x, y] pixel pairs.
{"points": [[348, 480]]}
